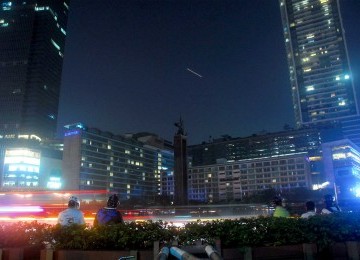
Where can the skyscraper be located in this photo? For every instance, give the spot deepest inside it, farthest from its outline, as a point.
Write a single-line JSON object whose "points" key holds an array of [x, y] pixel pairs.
{"points": [[321, 81], [32, 45]]}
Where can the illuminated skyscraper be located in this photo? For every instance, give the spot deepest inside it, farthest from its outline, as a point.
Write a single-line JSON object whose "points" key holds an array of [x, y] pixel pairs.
{"points": [[32, 45], [321, 81]]}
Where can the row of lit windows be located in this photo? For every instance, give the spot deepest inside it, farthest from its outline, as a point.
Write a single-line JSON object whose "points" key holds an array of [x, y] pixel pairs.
{"points": [[20, 184]]}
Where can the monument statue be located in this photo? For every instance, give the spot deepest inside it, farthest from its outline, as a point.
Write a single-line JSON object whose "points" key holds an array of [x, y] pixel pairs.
{"points": [[180, 126]]}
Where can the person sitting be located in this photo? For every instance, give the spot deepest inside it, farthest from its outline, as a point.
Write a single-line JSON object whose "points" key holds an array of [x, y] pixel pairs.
{"points": [[310, 209], [280, 211], [109, 214], [330, 206], [72, 215]]}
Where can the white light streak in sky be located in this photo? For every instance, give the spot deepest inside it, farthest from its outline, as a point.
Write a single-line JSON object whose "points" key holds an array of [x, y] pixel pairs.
{"points": [[193, 72]]}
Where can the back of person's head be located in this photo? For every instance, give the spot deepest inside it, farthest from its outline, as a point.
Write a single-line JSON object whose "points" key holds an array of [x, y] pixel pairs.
{"points": [[277, 201], [328, 199], [74, 202], [310, 205], [113, 201]]}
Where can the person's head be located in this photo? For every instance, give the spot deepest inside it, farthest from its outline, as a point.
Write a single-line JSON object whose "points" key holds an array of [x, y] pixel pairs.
{"points": [[310, 205], [113, 201], [277, 201], [74, 202], [328, 199]]}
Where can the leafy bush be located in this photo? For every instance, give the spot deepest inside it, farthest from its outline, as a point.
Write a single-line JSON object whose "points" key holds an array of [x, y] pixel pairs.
{"points": [[252, 232], [24, 234]]}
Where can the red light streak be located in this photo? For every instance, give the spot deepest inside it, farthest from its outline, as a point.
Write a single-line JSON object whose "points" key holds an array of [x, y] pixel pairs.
{"points": [[17, 209]]}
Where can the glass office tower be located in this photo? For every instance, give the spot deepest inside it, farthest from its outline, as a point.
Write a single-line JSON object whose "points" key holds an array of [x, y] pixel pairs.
{"points": [[32, 45], [321, 81]]}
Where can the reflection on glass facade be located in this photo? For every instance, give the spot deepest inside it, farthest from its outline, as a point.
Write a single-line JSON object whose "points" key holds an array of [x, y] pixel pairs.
{"points": [[97, 160], [32, 45]]}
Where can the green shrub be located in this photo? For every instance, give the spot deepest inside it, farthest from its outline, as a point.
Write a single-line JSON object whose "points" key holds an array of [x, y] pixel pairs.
{"points": [[245, 232], [23, 234]]}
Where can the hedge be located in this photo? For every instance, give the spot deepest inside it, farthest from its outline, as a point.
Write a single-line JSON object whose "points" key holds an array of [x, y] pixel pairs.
{"points": [[260, 231]]}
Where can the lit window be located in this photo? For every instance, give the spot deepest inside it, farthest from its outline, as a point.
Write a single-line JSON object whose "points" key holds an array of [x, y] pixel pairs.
{"points": [[310, 36], [342, 103], [55, 44], [310, 88]]}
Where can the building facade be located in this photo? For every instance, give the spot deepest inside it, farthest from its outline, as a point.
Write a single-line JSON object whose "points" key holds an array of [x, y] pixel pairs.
{"points": [[30, 164], [264, 145], [320, 75], [342, 165], [98, 160], [230, 169], [32, 46], [234, 180]]}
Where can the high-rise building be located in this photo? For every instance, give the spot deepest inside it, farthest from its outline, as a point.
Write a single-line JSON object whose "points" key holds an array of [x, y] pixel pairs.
{"points": [[264, 145], [320, 76], [130, 165], [228, 169], [32, 45]]}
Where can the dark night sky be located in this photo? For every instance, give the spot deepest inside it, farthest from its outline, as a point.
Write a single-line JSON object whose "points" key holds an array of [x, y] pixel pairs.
{"points": [[125, 67]]}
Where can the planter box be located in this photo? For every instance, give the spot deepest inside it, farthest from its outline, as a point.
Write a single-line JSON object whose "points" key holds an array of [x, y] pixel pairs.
{"points": [[96, 255], [291, 252], [237, 253], [344, 250], [27, 253]]}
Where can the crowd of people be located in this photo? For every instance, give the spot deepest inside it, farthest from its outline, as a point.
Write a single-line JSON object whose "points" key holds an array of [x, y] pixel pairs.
{"points": [[110, 215], [310, 210], [105, 216]]}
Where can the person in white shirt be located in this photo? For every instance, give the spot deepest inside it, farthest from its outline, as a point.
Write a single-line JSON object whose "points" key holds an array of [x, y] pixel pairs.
{"points": [[310, 209], [72, 215]]}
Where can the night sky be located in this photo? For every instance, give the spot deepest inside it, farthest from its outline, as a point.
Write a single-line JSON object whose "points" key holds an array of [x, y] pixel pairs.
{"points": [[126, 66]]}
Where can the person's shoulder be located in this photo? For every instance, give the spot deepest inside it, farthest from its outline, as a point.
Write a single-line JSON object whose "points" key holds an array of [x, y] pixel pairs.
{"points": [[325, 211], [308, 214]]}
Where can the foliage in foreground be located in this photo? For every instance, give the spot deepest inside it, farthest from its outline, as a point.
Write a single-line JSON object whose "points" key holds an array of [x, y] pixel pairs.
{"points": [[261, 231]]}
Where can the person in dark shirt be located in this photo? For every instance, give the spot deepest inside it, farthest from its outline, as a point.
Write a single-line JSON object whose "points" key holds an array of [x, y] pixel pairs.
{"points": [[330, 206], [109, 215]]}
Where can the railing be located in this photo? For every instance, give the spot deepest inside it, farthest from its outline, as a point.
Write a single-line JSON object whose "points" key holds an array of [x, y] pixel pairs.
{"points": [[181, 254]]}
